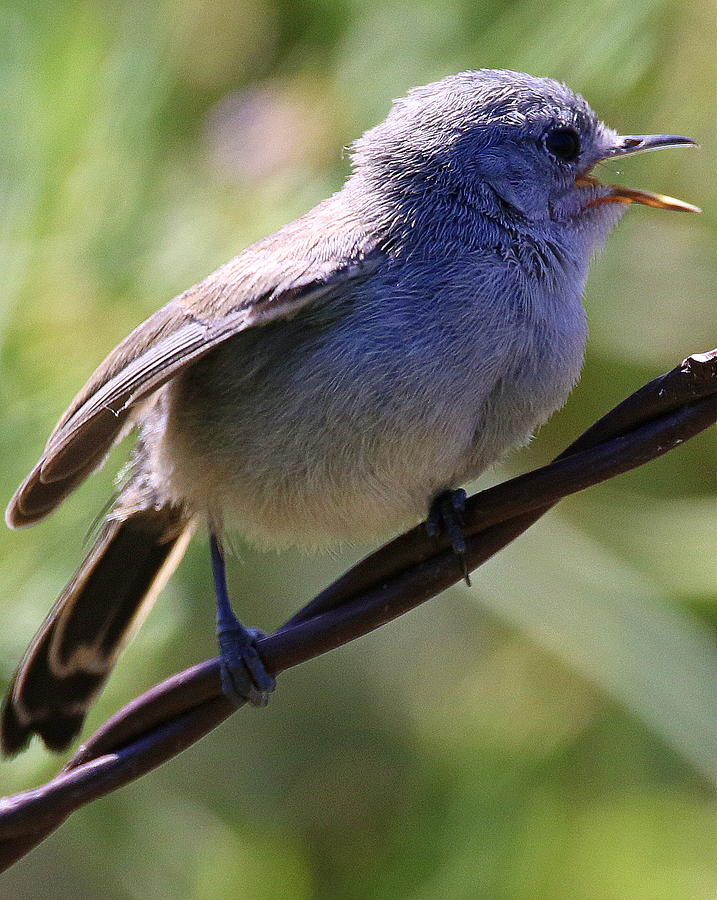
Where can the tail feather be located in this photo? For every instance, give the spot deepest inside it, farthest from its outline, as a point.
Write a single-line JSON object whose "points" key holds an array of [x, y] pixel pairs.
{"points": [[72, 654]]}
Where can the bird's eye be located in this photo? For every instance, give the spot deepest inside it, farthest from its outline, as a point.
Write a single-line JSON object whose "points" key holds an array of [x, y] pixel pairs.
{"points": [[563, 143]]}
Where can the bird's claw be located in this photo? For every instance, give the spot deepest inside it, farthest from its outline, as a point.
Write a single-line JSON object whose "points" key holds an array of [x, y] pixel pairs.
{"points": [[446, 517], [243, 676]]}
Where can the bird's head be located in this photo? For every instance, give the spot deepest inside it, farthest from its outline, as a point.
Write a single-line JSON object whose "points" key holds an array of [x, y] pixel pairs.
{"points": [[517, 149]]}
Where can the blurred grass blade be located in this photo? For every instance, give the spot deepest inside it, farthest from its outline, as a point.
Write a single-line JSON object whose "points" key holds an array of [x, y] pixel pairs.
{"points": [[611, 624]]}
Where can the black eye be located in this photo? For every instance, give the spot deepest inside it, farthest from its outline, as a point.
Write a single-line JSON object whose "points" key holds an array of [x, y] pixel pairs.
{"points": [[563, 143]]}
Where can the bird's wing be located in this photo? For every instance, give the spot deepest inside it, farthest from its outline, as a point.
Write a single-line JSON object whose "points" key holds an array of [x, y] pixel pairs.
{"points": [[273, 279]]}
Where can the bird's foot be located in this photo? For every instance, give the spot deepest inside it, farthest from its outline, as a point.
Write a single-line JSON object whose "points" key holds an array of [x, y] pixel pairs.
{"points": [[244, 678], [242, 672], [446, 517]]}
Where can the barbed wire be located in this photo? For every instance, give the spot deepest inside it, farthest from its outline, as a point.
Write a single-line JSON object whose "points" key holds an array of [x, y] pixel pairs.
{"points": [[401, 575]]}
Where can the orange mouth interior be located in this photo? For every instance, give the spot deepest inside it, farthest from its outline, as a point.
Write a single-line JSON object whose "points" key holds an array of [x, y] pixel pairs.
{"points": [[620, 194]]}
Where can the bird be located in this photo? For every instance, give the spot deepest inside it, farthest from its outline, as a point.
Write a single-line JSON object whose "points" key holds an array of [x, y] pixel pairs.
{"points": [[340, 378]]}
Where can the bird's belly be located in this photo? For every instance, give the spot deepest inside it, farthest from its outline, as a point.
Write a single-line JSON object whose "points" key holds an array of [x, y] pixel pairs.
{"points": [[286, 470], [296, 442]]}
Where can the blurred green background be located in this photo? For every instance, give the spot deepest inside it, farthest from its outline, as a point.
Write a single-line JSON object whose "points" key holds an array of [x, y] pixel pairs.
{"points": [[560, 749]]}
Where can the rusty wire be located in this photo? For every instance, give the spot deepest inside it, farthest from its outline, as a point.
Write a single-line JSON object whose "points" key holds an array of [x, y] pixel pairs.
{"points": [[404, 573]]}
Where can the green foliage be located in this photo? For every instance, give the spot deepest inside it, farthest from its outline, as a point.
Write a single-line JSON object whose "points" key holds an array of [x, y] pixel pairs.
{"points": [[558, 750]]}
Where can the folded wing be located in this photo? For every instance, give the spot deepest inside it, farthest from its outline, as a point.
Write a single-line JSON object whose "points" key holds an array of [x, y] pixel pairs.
{"points": [[263, 284]]}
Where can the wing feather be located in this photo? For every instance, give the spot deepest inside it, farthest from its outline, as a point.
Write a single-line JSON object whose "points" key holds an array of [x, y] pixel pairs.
{"points": [[256, 287]]}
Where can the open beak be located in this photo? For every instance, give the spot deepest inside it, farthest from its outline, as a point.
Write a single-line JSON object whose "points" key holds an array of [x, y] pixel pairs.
{"points": [[640, 143]]}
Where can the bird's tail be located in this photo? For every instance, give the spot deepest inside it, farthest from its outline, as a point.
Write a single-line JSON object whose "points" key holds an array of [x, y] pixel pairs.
{"points": [[72, 654]]}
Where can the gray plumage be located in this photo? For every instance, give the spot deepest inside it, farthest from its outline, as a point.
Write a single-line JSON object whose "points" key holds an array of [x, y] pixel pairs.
{"points": [[332, 379]]}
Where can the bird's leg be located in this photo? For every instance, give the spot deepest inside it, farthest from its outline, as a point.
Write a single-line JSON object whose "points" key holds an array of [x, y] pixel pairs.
{"points": [[446, 516], [244, 678]]}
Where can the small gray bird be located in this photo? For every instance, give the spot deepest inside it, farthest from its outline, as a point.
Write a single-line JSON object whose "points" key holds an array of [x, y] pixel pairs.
{"points": [[340, 378]]}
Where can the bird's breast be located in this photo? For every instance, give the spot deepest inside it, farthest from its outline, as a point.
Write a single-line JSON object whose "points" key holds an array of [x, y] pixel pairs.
{"points": [[345, 421]]}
